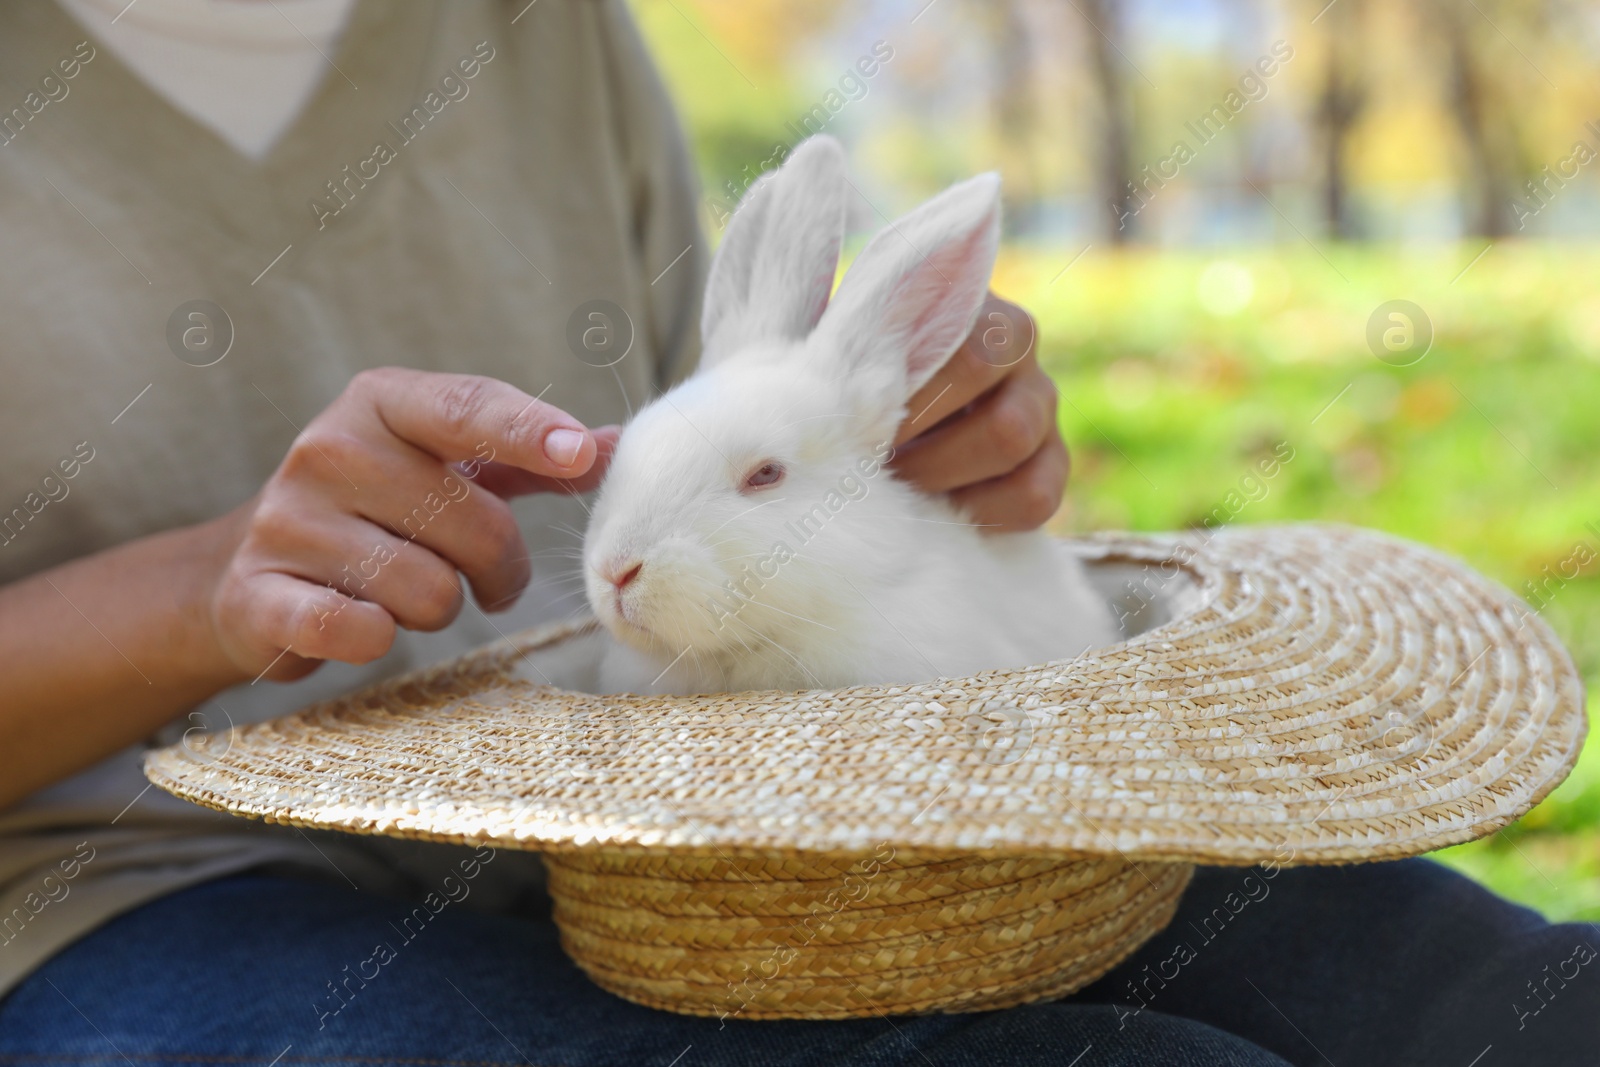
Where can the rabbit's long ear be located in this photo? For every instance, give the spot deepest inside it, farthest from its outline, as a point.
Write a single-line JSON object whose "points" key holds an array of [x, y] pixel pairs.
{"points": [[772, 275], [912, 295]]}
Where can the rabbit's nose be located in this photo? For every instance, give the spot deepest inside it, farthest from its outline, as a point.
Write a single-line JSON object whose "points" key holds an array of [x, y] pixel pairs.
{"points": [[622, 575]]}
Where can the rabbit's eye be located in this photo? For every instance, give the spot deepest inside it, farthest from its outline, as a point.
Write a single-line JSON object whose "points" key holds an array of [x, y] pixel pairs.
{"points": [[764, 476]]}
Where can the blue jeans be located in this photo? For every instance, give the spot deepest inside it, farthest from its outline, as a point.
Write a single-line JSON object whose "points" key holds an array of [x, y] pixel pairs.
{"points": [[1399, 963]]}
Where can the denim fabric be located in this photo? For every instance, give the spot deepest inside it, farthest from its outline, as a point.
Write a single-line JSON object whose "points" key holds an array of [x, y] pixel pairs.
{"points": [[1393, 963], [1385, 963]]}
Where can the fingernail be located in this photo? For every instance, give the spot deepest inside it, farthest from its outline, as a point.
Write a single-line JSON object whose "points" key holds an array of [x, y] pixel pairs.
{"points": [[562, 446]]}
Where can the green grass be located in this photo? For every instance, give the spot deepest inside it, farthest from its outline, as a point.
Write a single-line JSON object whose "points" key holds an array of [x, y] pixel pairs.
{"points": [[1178, 374]]}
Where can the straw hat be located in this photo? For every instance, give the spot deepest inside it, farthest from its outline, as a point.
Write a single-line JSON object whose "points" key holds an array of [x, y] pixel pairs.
{"points": [[1302, 694]]}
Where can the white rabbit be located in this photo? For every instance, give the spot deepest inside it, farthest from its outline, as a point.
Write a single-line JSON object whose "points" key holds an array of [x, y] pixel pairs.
{"points": [[747, 535]]}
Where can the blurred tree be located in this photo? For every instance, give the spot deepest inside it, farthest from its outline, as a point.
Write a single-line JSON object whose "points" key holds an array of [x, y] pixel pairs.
{"points": [[1113, 167], [1339, 104], [1486, 179], [1479, 107], [1419, 118], [1016, 114]]}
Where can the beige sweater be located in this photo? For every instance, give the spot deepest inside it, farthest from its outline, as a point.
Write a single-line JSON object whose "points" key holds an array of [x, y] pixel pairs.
{"points": [[447, 201]]}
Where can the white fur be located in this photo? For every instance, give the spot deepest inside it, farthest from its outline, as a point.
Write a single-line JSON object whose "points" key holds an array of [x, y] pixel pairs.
{"points": [[879, 584]]}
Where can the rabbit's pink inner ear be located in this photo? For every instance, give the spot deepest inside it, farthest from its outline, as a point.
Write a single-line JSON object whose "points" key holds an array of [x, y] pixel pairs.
{"points": [[935, 303], [911, 297]]}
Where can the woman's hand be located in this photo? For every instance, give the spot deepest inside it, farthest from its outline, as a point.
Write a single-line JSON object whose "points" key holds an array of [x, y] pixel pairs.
{"points": [[394, 491], [389, 494], [984, 429]]}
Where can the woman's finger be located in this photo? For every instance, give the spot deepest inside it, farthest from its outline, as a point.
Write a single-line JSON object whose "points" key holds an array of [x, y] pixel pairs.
{"points": [[1001, 340], [440, 513], [506, 481], [362, 560], [1000, 432], [282, 624], [465, 417], [1024, 499]]}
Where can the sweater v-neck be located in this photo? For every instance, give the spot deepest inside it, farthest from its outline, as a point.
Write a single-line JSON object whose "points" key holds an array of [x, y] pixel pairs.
{"points": [[377, 70]]}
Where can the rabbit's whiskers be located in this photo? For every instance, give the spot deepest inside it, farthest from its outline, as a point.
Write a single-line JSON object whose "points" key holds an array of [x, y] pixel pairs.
{"points": [[827, 415], [769, 639], [765, 607], [746, 511], [565, 597], [562, 527], [575, 495], [572, 553], [792, 615], [951, 522], [627, 401]]}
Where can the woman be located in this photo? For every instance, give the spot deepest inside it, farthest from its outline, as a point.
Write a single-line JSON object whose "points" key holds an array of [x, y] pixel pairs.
{"points": [[301, 302]]}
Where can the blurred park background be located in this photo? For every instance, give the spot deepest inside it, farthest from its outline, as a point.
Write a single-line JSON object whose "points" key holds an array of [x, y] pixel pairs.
{"points": [[1212, 206]]}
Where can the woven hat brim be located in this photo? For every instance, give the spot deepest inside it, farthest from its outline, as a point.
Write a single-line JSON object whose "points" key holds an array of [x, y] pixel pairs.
{"points": [[1330, 695]]}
